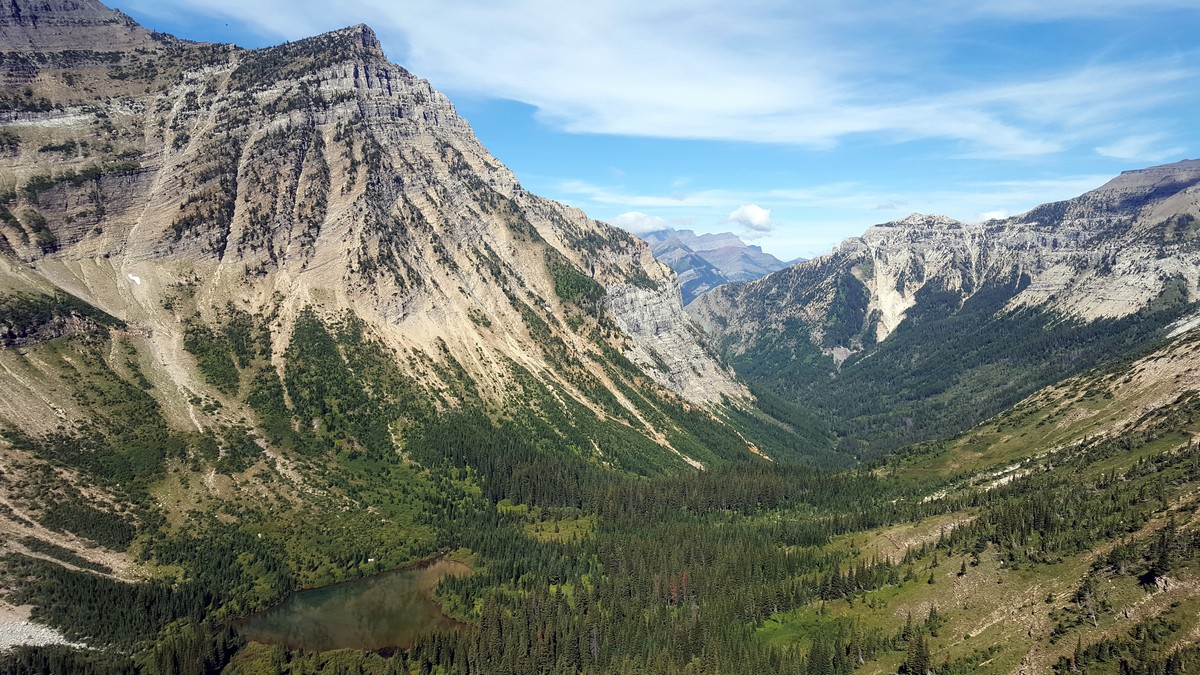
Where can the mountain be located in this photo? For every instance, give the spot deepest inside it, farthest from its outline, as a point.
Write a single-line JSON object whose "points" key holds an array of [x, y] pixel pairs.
{"points": [[926, 325], [703, 262], [180, 186]]}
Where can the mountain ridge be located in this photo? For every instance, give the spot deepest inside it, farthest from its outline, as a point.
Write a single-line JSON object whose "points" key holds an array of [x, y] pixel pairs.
{"points": [[959, 306], [1038, 233]]}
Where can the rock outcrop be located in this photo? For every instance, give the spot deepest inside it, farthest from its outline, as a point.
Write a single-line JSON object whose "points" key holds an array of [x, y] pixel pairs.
{"points": [[667, 348]]}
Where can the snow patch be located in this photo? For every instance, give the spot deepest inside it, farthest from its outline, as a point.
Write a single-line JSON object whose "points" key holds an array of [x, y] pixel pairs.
{"points": [[135, 279]]}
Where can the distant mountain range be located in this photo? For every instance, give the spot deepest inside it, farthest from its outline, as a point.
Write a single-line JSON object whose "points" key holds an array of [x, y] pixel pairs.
{"points": [[704, 261]]}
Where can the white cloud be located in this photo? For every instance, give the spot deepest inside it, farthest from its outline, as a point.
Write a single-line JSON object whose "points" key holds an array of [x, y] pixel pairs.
{"points": [[639, 223], [1145, 148], [598, 194], [752, 217], [998, 214], [771, 71]]}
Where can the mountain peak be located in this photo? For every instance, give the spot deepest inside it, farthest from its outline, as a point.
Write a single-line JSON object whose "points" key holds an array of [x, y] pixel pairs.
{"points": [[1182, 165], [1178, 174], [359, 39], [705, 261], [316, 173]]}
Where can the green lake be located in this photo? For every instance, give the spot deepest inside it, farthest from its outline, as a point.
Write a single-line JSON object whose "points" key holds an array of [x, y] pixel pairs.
{"points": [[379, 613]]}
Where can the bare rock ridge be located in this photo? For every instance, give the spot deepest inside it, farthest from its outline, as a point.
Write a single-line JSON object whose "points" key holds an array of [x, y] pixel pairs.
{"points": [[1103, 255], [166, 181]]}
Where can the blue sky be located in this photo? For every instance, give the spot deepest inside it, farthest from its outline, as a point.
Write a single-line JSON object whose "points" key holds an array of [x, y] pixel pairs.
{"points": [[794, 124]]}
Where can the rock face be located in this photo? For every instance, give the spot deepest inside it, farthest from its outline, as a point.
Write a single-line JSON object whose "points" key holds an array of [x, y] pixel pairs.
{"points": [[49, 26], [1104, 255], [666, 345], [703, 262], [162, 181]]}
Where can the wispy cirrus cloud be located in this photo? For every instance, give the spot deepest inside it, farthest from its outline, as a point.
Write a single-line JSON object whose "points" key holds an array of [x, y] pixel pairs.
{"points": [[766, 71], [1142, 148], [812, 219], [1012, 194]]}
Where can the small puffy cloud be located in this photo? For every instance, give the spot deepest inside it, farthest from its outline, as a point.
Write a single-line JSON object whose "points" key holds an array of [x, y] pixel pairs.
{"points": [[998, 214], [639, 223], [752, 217]]}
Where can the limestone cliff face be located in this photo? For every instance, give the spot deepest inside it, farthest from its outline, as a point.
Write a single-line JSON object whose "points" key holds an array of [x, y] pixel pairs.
{"points": [[667, 347], [157, 178], [49, 26], [1106, 254]]}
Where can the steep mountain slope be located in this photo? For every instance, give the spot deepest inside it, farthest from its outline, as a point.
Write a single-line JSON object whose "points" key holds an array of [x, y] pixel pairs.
{"points": [[703, 262], [927, 325], [174, 184]]}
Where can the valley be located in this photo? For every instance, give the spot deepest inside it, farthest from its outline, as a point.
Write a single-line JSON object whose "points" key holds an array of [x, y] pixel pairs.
{"points": [[296, 377]]}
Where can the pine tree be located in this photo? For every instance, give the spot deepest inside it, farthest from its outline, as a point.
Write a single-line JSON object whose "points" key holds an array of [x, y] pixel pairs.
{"points": [[919, 662]]}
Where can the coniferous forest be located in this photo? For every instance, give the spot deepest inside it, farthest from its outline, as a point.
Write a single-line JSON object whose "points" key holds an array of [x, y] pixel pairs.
{"points": [[747, 566]]}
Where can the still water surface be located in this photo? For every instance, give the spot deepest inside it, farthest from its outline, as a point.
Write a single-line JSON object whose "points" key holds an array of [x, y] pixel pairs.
{"points": [[379, 613]]}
